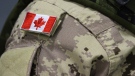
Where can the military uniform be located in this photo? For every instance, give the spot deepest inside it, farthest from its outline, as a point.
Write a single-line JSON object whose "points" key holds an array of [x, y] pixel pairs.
{"points": [[85, 43]]}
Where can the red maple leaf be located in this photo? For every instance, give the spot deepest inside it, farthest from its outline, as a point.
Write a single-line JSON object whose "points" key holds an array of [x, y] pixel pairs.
{"points": [[38, 23]]}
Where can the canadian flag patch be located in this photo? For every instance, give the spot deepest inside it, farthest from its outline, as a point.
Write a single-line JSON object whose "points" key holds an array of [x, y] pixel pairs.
{"points": [[38, 23]]}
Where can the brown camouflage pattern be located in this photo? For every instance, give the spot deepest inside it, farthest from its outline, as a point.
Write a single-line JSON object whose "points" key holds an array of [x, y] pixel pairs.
{"points": [[86, 43]]}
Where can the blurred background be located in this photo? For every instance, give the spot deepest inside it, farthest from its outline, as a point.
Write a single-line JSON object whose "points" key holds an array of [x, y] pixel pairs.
{"points": [[5, 8]]}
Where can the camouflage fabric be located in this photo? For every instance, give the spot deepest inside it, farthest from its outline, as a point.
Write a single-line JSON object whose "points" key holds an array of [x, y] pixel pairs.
{"points": [[123, 14], [86, 43]]}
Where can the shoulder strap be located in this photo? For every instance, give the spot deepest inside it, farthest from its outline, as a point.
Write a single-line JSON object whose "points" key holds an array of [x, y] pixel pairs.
{"points": [[123, 13]]}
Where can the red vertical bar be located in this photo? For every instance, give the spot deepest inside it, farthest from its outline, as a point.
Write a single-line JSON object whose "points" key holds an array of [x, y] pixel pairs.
{"points": [[28, 20], [49, 24]]}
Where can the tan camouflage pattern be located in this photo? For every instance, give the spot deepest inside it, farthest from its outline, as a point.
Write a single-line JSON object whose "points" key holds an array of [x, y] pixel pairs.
{"points": [[66, 53], [119, 44], [86, 43]]}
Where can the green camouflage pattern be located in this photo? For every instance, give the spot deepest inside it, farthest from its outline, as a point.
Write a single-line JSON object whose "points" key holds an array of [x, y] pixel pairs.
{"points": [[86, 43]]}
